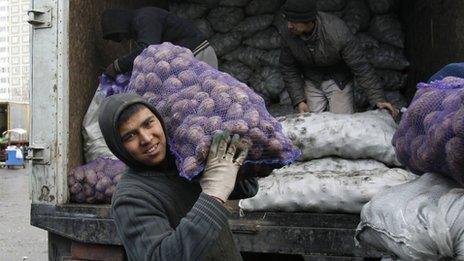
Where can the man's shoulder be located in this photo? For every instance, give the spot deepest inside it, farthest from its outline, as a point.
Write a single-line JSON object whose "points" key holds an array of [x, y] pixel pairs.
{"points": [[334, 27]]}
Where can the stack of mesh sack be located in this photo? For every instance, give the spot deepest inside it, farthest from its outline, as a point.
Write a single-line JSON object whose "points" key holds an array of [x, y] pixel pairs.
{"points": [[345, 161], [95, 181], [245, 35], [423, 219], [196, 101]]}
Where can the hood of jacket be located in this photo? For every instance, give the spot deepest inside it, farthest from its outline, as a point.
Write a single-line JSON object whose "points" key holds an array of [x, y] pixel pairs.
{"points": [[115, 22], [110, 110]]}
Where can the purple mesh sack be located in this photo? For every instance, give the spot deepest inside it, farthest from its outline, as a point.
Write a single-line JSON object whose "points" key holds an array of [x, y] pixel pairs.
{"points": [[196, 100], [96, 181], [430, 137], [110, 86]]}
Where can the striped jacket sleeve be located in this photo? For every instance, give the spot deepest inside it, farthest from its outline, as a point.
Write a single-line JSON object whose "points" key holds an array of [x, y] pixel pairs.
{"points": [[146, 233]]}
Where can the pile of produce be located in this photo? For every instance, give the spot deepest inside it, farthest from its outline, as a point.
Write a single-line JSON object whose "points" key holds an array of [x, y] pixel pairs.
{"points": [[245, 35], [344, 162], [324, 185], [96, 181], [365, 135], [419, 220], [195, 101], [430, 137]]}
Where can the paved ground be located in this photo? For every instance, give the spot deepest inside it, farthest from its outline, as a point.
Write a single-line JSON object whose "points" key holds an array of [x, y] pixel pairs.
{"points": [[18, 239]]}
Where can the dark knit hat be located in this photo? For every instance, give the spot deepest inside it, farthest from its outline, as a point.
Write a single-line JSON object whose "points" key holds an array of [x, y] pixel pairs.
{"points": [[300, 10]]}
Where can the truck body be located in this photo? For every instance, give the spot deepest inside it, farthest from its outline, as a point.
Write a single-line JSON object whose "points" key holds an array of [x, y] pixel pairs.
{"points": [[68, 55], [15, 115]]}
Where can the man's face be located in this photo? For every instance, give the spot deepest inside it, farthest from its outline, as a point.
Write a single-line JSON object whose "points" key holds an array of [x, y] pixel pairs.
{"points": [[143, 137], [299, 28]]}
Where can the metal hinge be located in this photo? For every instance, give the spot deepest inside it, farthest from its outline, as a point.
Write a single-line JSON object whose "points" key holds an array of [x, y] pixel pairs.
{"points": [[40, 18], [39, 154]]}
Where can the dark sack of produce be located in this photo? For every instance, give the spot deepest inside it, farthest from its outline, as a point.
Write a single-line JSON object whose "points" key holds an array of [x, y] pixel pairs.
{"points": [[271, 58], [223, 19], [196, 101], [236, 3], [357, 15], [387, 57], [387, 29], [258, 7], [267, 39], [96, 181], [189, 11], [330, 5], [367, 41], [268, 81], [209, 3], [253, 24], [247, 55], [381, 6], [237, 69], [430, 137], [204, 27], [225, 43]]}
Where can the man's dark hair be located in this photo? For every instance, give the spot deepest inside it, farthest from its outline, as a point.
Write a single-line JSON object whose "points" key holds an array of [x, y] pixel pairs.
{"points": [[128, 112]]}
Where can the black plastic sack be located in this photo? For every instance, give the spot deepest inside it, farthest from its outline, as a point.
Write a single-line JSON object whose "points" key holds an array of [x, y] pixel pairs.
{"points": [[381, 6], [271, 58], [356, 15], [268, 39], [209, 3], [367, 41], [235, 3], [387, 29], [253, 24], [330, 5], [223, 19], [247, 55], [189, 11], [225, 43], [237, 69], [204, 27], [258, 7], [387, 57], [268, 81]]}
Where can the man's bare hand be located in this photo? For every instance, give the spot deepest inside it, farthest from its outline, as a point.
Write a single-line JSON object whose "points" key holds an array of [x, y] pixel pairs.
{"points": [[303, 107], [388, 106]]}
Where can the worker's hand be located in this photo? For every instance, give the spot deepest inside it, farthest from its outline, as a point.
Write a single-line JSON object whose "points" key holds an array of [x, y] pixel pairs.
{"points": [[224, 159], [111, 71], [388, 106], [303, 107]]}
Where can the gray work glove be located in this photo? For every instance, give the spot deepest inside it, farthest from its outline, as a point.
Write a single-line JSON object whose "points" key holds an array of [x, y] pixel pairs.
{"points": [[224, 159]]}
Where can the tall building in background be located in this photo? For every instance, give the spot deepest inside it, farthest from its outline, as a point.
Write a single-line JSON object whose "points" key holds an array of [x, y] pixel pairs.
{"points": [[4, 63], [18, 49]]}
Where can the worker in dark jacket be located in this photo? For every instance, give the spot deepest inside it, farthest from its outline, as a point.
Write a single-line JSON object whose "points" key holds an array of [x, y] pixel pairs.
{"points": [[159, 215], [152, 25], [319, 57]]}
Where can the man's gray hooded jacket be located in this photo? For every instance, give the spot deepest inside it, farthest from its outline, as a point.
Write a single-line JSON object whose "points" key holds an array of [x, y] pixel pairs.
{"points": [[332, 52]]}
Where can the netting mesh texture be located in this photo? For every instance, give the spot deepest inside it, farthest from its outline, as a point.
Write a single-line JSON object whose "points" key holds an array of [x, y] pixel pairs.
{"points": [[96, 181], [430, 137], [196, 100]]}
